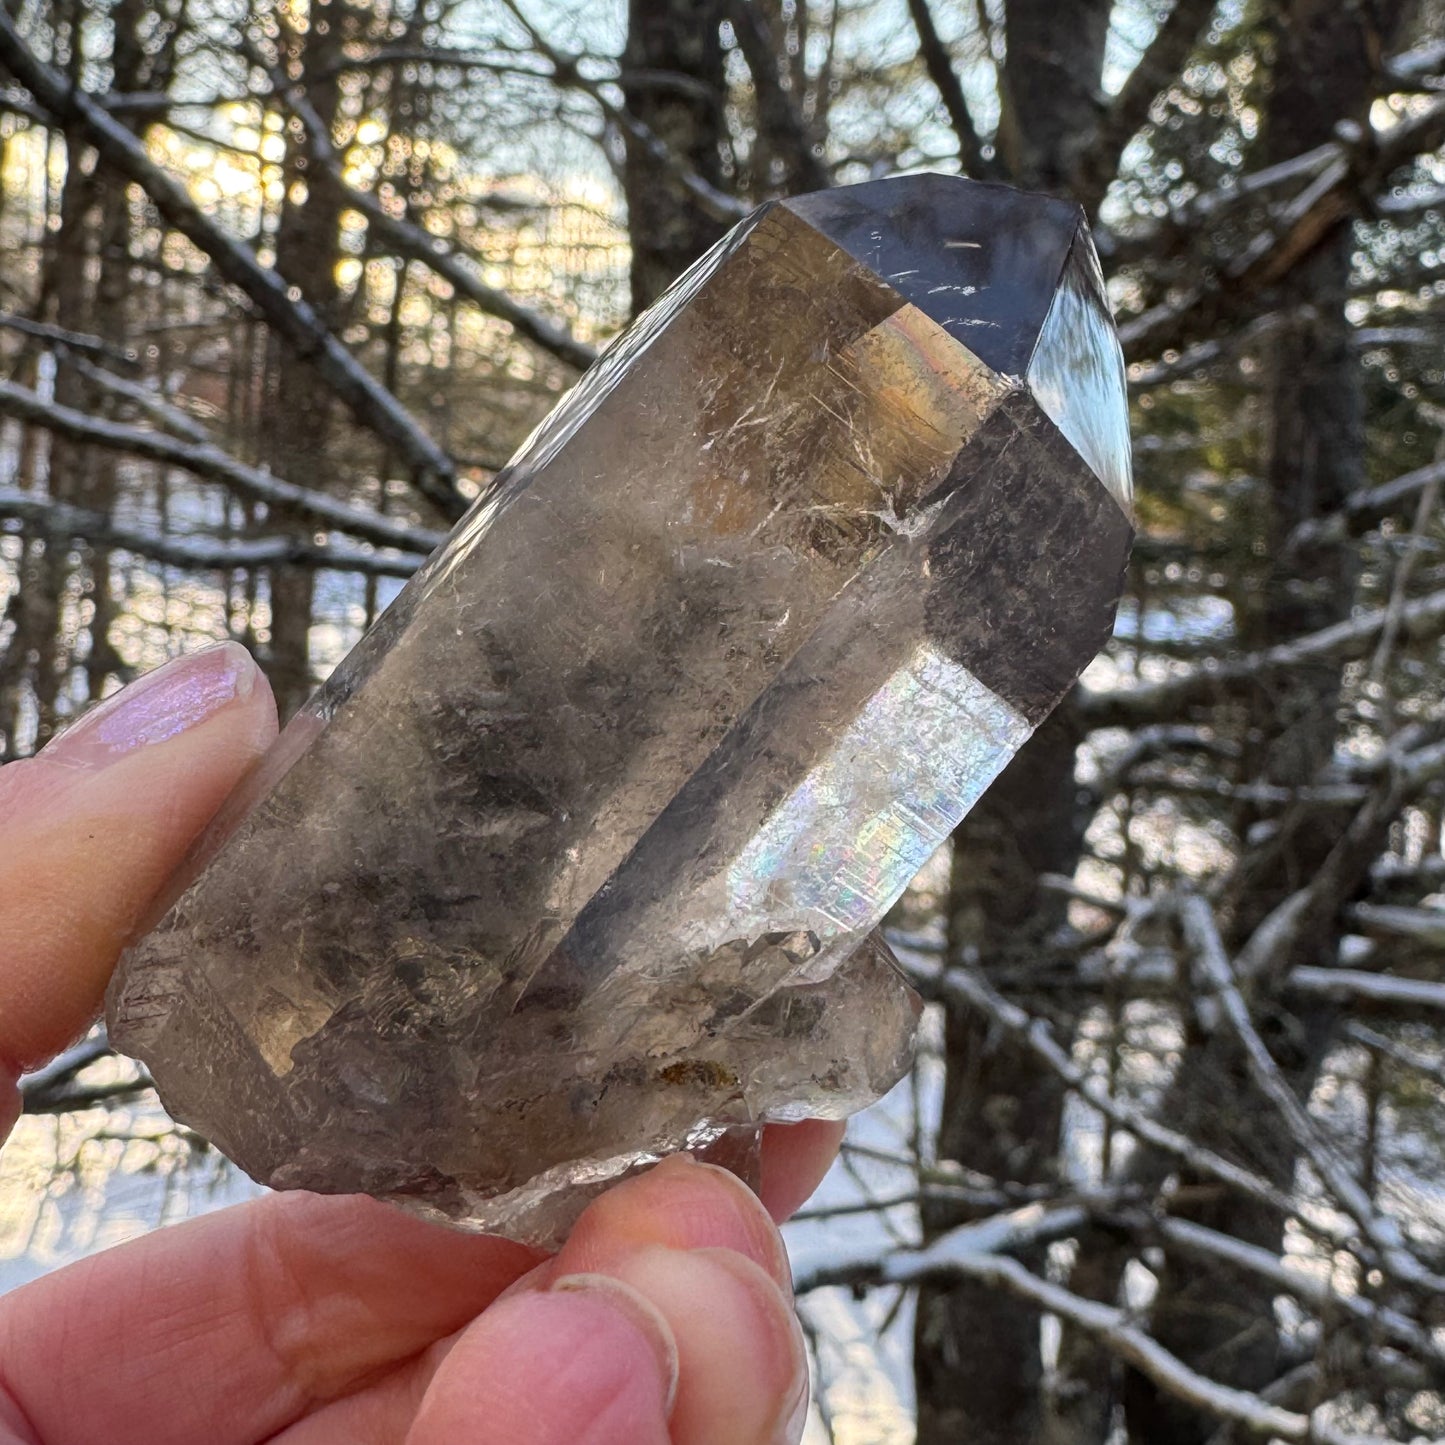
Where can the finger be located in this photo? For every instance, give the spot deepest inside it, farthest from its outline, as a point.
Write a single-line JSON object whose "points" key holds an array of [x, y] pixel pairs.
{"points": [[795, 1159], [249, 1318], [679, 1204], [590, 1362], [91, 828], [700, 1245], [742, 1366]]}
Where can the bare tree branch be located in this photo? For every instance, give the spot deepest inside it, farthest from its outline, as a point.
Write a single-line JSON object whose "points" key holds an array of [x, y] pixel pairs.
{"points": [[1368, 506], [1422, 62], [71, 340], [1182, 223], [1350, 168], [166, 416], [1421, 1063], [966, 986], [58, 519], [1189, 1238], [1296, 228], [1143, 375], [717, 204], [779, 114], [66, 1065], [293, 320], [1384, 920], [1352, 985], [415, 244], [1220, 678], [971, 1253], [211, 464]]}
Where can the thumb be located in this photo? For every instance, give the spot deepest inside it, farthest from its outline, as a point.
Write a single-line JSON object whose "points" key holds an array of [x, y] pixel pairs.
{"points": [[91, 828]]}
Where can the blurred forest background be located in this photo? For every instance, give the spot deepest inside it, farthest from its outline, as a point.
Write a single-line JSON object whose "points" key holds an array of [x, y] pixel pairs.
{"points": [[285, 281]]}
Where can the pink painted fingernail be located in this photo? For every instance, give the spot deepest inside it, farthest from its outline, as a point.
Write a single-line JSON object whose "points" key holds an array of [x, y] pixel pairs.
{"points": [[185, 691]]}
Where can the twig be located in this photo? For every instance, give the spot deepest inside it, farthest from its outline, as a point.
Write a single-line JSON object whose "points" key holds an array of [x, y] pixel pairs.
{"points": [[1391, 920], [1184, 220], [1161, 61], [165, 415], [939, 64], [1346, 985], [779, 112], [1305, 919], [1143, 375], [965, 985], [1187, 1237], [1006, 1233], [1322, 794], [65, 1066], [1421, 1063], [72, 340], [1429, 498], [73, 1100], [1417, 64], [565, 72], [1365, 507], [1348, 165], [952, 1193]]}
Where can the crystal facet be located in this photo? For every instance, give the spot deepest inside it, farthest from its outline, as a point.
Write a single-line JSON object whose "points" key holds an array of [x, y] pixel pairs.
{"points": [[576, 859]]}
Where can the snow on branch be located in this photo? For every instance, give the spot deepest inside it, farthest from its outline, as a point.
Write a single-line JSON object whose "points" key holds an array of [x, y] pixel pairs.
{"points": [[965, 985], [58, 519], [211, 464], [1218, 678], [415, 244], [976, 1252]]}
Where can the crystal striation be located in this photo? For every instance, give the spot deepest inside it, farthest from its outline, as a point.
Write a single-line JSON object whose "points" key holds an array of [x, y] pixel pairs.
{"points": [[577, 858]]}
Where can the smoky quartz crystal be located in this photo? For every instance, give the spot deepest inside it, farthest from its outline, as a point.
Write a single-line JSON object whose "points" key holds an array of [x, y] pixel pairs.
{"points": [[577, 858]]}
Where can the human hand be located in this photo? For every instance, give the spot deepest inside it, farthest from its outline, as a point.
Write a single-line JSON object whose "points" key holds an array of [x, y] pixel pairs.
{"points": [[665, 1319]]}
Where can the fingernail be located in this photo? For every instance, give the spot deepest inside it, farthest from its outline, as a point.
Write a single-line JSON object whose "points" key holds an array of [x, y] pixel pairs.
{"points": [[795, 1416], [163, 703], [640, 1311]]}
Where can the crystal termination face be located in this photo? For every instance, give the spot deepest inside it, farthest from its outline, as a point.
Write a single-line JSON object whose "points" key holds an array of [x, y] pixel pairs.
{"points": [[576, 860]]}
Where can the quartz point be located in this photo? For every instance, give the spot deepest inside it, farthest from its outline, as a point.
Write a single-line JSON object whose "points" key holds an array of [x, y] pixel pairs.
{"points": [[578, 858]]}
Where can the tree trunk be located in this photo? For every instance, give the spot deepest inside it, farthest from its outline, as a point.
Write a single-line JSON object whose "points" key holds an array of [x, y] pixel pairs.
{"points": [[977, 1355], [667, 227], [302, 413], [1050, 87]]}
